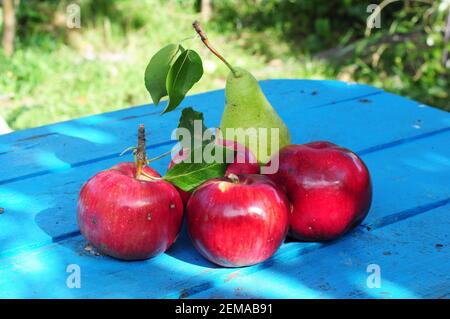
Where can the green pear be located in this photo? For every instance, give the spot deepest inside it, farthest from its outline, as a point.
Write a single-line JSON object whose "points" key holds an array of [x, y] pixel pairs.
{"points": [[256, 124], [255, 121]]}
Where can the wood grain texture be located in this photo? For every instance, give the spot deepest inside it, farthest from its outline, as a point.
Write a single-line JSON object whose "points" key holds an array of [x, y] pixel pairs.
{"points": [[63, 145], [404, 143], [412, 262]]}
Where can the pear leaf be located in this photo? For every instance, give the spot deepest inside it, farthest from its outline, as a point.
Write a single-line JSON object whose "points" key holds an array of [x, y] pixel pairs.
{"points": [[157, 70], [189, 176], [183, 74]]}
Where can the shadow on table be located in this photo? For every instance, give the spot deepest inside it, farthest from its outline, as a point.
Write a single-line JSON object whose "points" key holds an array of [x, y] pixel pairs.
{"points": [[339, 272], [184, 250], [55, 222]]}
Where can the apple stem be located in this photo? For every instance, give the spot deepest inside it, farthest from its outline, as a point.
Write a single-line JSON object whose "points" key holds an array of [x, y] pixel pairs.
{"points": [[177, 149], [198, 28], [233, 177], [141, 154]]}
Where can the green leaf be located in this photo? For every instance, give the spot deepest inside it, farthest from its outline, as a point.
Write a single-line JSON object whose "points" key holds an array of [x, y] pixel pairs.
{"points": [[189, 117], [157, 70], [183, 74], [213, 158], [189, 176], [210, 152]]}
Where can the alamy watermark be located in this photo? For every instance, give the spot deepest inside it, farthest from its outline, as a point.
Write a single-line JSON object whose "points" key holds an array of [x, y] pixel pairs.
{"points": [[74, 278], [374, 19], [73, 16], [374, 279], [261, 142]]}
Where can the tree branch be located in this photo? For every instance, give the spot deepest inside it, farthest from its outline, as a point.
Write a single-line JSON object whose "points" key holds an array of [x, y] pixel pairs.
{"points": [[9, 27]]}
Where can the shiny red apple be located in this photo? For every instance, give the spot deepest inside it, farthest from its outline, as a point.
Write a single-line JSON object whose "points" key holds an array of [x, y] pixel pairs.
{"points": [[178, 157], [244, 163], [238, 220], [127, 217], [329, 187]]}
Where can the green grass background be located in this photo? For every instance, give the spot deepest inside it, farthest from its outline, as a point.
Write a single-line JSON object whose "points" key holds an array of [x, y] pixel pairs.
{"points": [[58, 74]]}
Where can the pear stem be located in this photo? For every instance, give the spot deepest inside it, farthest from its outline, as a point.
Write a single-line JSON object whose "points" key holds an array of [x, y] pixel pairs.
{"points": [[198, 28], [141, 154]]}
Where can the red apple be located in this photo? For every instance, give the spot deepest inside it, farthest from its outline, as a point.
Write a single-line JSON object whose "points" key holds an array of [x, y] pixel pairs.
{"points": [[244, 163], [238, 220], [329, 187], [126, 217], [181, 155]]}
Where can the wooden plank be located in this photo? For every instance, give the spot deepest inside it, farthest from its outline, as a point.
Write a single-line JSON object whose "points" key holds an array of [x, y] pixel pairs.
{"points": [[411, 266], [413, 256], [312, 93], [181, 271], [47, 149], [44, 214], [409, 176], [43, 207], [386, 118]]}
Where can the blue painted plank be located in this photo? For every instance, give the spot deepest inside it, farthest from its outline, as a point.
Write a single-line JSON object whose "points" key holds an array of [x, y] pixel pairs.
{"points": [[386, 118], [41, 210], [413, 257], [312, 93], [189, 273], [42, 213], [60, 146], [407, 177], [43, 207], [411, 266]]}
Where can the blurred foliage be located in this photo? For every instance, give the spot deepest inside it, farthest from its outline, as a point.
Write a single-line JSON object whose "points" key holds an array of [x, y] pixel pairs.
{"points": [[58, 73], [312, 25], [407, 58], [404, 55]]}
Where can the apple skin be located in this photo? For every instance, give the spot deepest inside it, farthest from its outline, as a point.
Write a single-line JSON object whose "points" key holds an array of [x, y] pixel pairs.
{"points": [[181, 155], [329, 187], [129, 218], [247, 163], [238, 223]]}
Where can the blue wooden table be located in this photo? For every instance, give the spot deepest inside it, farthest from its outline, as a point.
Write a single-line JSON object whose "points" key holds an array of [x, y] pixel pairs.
{"points": [[406, 236]]}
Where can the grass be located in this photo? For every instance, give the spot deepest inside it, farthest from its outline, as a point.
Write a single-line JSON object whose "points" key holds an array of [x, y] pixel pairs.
{"points": [[58, 74], [101, 68]]}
